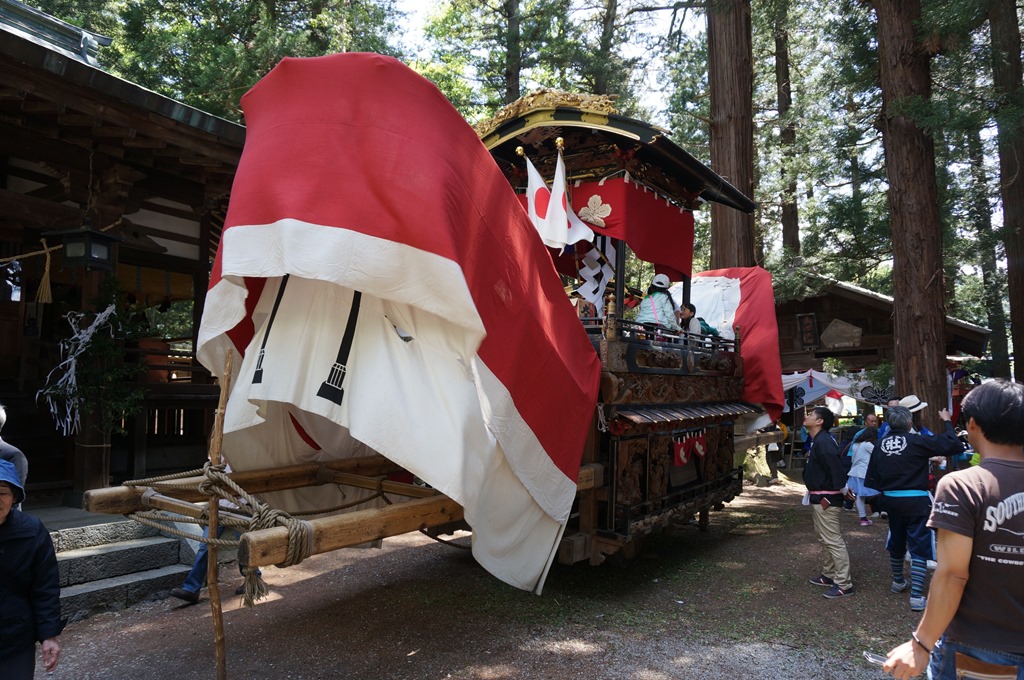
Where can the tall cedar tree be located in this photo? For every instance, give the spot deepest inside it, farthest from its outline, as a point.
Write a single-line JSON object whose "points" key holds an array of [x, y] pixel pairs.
{"points": [[731, 83], [913, 206], [1007, 79]]}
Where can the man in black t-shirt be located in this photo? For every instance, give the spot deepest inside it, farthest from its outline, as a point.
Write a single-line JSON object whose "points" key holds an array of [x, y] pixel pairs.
{"points": [[974, 620]]}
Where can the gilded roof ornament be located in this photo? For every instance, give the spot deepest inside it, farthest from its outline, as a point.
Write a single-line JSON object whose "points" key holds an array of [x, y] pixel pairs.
{"points": [[546, 98]]}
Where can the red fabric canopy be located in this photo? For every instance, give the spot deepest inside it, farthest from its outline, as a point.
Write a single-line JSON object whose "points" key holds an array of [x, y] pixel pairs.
{"points": [[362, 183]]}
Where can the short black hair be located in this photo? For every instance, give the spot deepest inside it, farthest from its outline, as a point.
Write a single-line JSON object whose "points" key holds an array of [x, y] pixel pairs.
{"points": [[868, 434], [997, 407], [827, 417]]}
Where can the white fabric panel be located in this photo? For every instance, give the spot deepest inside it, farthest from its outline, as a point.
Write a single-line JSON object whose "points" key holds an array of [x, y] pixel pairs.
{"points": [[716, 298], [415, 402]]}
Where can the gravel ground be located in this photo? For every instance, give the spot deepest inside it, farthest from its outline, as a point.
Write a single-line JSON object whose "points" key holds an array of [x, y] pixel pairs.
{"points": [[730, 603]]}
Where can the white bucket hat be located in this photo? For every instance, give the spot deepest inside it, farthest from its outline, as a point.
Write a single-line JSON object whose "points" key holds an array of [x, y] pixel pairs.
{"points": [[912, 403]]}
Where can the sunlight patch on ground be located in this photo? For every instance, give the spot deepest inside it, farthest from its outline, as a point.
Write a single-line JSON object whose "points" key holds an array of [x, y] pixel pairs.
{"points": [[731, 565], [496, 672], [574, 647]]}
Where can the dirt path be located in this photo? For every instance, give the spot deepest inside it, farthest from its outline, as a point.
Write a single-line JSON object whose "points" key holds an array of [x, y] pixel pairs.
{"points": [[733, 602]]}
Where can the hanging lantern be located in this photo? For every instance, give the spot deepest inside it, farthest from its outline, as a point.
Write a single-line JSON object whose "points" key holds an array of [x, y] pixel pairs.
{"points": [[87, 247]]}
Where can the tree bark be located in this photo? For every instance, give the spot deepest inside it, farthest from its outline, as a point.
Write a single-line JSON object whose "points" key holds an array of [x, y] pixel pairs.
{"points": [[784, 93], [514, 54], [981, 215], [1007, 78], [914, 209], [731, 82], [604, 55]]}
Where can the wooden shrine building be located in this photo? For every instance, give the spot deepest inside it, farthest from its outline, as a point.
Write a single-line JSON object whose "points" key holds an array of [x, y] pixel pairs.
{"points": [[79, 146], [856, 325]]}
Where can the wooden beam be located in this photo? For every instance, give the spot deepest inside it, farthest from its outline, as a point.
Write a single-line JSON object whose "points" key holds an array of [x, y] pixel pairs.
{"points": [[591, 476], [37, 211], [144, 143], [270, 546], [78, 120], [122, 500], [113, 131], [62, 93], [39, 106]]}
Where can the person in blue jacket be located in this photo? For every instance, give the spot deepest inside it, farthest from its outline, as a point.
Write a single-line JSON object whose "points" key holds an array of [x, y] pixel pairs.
{"points": [[29, 585]]}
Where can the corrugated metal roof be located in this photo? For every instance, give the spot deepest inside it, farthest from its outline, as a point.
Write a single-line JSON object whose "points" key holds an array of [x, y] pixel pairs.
{"points": [[666, 414]]}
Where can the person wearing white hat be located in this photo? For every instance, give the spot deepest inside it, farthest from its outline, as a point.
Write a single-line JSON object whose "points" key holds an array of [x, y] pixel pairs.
{"points": [[658, 307], [913, 403], [973, 625], [899, 469]]}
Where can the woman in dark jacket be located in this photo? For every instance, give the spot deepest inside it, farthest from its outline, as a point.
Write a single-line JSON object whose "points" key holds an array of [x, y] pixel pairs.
{"points": [[29, 585]]}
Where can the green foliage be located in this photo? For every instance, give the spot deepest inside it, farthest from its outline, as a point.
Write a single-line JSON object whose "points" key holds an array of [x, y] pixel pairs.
{"points": [[881, 375], [208, 53], [834, 367], [173, 323]]}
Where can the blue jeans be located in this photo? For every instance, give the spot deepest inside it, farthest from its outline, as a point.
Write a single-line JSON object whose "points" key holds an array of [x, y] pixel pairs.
{"points": [[196, 578], [942, 665]]}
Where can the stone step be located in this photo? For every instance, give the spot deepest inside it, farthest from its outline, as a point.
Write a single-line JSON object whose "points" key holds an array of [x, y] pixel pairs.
{"points": [[79, 601], [75, 538], [97, 562]]}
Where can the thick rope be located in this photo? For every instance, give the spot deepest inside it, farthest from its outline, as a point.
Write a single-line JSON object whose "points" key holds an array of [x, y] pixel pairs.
{"points": [[216, 482]]}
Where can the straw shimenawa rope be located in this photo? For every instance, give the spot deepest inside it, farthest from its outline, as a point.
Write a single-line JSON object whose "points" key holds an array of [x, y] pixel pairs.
{"points": [[43, 294]]}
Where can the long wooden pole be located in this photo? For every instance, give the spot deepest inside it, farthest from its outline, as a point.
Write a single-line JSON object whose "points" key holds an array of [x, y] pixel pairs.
{"points": [[212, 567], [270, 546], [124, 500]]}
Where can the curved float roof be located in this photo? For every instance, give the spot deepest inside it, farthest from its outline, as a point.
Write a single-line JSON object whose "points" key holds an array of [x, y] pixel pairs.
{"points": [[599, 143]]}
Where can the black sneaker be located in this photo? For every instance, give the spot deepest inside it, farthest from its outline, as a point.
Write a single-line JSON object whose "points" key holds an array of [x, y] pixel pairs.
{"points": [[822, 580], [836, 592], [187, 595]]}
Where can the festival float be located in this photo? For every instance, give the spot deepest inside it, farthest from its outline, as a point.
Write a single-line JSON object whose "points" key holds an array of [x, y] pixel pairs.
{"points": [[404, 342]]}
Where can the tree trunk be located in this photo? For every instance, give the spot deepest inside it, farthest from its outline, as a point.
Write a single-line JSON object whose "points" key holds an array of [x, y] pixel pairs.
{"points": [[1006, 76], [914, 209], [981, 216], [604, 54], [731, 82], [514, 53], [784, 92]]}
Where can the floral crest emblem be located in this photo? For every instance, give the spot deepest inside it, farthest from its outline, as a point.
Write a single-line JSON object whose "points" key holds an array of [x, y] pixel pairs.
{"points": [[595, 211]]}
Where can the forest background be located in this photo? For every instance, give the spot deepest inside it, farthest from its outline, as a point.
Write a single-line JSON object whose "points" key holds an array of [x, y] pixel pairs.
{"points": [[825, 92]]}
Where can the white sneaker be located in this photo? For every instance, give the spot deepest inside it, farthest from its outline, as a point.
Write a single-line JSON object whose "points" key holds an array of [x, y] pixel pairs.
{"points": [[917, 604]]}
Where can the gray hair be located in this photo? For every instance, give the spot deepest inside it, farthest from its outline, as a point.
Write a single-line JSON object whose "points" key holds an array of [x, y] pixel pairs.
{"points": [[900, 418], [3, 416]]}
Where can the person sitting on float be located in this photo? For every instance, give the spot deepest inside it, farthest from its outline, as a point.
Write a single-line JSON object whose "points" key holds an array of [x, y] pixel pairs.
{"points": [[658, 307]]}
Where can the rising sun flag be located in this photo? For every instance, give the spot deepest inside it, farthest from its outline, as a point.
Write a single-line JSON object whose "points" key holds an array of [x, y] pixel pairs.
{"points": [[382, 290]]}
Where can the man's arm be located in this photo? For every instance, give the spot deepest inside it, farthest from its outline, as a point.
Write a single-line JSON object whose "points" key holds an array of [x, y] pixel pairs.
{"points": [[948, 583]]}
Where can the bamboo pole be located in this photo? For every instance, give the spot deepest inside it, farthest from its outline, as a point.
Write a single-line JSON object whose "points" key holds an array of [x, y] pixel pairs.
{"points": [[212, 567]]}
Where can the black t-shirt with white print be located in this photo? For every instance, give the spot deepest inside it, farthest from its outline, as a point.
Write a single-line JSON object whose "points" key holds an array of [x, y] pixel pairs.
{"points": [[986, 502]]}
